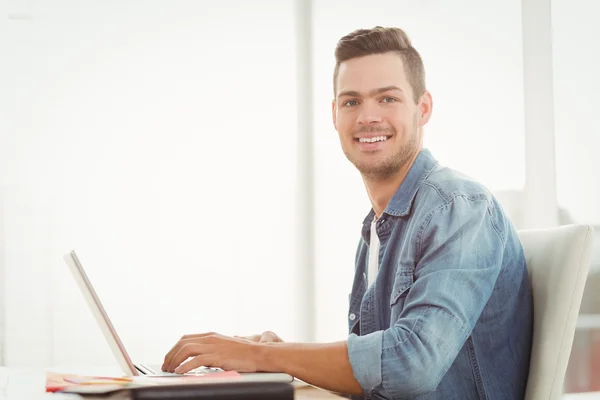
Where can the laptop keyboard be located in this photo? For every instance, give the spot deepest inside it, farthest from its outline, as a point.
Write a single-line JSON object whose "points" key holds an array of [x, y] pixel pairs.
{"points": [[165, 373], [197, 371]]}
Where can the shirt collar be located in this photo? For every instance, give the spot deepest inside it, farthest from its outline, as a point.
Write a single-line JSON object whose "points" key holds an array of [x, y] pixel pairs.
{"points": [[402, 200]]}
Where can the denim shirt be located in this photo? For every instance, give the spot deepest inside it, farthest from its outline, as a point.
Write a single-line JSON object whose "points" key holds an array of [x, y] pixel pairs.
{"points": [[449, 315]]}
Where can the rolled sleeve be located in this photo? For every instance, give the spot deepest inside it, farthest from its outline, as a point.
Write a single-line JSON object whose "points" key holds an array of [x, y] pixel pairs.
{"points": [[365, 358]]}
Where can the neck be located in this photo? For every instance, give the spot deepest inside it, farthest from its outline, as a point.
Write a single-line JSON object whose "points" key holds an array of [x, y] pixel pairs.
{"points": [[381, 191]]}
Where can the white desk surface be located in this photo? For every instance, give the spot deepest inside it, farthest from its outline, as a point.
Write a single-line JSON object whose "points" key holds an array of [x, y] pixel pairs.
{"points": [[582, 396], [30, 383]]}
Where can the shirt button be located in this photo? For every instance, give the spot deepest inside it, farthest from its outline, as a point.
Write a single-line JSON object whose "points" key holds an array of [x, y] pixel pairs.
{"points": [[352, 317]]}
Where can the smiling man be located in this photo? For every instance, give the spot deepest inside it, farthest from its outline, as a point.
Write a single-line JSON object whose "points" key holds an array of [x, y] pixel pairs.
{"points": [[441, 304]]}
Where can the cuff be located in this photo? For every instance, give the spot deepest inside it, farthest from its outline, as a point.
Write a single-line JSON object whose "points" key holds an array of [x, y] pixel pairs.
{"points": [[365, 359]]}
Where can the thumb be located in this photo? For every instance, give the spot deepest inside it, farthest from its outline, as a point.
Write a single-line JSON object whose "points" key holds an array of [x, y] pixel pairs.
{"points": [[269, 336]]}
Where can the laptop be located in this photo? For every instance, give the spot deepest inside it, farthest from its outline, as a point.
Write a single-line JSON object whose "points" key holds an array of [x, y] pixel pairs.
{"points": [[121, 355]]}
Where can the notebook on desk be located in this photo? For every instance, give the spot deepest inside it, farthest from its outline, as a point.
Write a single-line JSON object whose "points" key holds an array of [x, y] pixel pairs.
{"points": [[240, 391], [213, 391], [118, 349]]}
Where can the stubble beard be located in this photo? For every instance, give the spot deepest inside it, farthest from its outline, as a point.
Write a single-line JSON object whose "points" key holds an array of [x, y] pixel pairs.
{"points": [[386, 168]]}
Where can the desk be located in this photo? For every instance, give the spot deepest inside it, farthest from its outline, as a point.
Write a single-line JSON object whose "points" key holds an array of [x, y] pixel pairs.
{"points": [[582, 396], [29, 383]]}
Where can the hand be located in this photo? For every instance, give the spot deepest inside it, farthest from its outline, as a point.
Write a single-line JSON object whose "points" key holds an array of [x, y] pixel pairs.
{"points": [[214, 350], [265, 337]]}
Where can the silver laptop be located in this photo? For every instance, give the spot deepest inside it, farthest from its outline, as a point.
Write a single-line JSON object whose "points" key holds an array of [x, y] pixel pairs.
{"points": [[111, 336]]}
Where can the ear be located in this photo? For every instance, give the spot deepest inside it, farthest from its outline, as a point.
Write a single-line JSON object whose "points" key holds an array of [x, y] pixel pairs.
{"points": [[334, 114], [425, 108]]}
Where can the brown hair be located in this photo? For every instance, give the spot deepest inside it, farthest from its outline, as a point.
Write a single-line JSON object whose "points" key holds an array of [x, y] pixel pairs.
{"points": [[379, 40]]}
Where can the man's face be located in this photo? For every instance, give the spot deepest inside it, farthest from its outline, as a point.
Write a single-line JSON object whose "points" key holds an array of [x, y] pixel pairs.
{"points": [[375, 115]]}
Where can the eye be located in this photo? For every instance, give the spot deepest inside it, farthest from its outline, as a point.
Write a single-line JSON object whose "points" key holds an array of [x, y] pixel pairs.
{"points": [[350, 103], [389, 100]]}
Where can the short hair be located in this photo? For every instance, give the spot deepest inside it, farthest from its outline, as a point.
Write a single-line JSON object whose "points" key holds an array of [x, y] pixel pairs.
{"points": [[380, 40]]}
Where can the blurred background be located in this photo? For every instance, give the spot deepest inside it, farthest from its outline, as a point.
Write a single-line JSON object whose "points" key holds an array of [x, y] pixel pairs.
{"points": [[185, 150]]}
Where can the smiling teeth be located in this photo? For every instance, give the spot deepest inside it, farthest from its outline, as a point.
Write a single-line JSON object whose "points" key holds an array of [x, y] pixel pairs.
{"points": [[373, 140]]}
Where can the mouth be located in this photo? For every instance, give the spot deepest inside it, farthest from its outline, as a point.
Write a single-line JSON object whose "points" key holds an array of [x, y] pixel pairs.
{"points": [[375, 139], [372, 144]]}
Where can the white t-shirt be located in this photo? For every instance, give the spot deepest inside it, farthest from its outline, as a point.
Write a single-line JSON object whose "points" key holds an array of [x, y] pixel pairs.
{"points": [[373, 265]]}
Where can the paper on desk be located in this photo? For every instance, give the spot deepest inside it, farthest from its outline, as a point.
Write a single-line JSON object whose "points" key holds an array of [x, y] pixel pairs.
{"points": [[56, 382]]}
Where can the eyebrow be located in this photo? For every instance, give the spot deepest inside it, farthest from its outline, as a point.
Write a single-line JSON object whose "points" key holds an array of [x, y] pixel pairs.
{"points": [[354, 93]]}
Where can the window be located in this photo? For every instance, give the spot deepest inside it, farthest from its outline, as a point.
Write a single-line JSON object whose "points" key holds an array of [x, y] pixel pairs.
{"points": [[158, 141]]}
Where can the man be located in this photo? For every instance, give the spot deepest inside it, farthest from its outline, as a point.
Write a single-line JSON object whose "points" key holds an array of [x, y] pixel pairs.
{"points": [[441, 304]]}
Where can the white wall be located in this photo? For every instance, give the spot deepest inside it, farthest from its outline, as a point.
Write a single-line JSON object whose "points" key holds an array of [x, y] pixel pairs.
{"points": [[576, 88], [3, 107], [3, 284], [158, 140], [473, 59]]}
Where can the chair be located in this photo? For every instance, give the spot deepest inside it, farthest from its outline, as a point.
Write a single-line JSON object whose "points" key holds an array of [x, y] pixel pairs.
{"points": [[558, 260]]}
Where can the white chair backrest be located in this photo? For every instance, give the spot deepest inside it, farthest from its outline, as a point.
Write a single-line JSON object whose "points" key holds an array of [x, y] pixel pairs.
{"points": [[558, 261]]}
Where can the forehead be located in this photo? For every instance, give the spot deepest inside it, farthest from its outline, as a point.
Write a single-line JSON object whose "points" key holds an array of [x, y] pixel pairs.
{"points": [[363, 74]]}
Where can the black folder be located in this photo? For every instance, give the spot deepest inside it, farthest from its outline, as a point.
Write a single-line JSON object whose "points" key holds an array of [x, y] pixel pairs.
{"points": [[217, 391]]}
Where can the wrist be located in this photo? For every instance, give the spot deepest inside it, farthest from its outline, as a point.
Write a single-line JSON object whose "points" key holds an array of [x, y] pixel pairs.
{"points": [[269, 358]]}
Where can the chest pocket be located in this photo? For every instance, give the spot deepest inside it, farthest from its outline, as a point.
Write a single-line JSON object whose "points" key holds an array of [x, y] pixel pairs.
{"points": [[402, 283]]}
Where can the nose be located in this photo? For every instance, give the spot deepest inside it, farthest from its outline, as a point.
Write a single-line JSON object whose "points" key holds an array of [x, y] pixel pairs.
{"points": [[369, 114]]}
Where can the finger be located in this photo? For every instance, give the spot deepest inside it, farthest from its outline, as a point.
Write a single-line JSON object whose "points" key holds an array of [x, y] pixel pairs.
{"points": [[199, 335], [204, 360], [184, 339], [174, 350], [253, 338], [269, 336], [187, 351]]}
